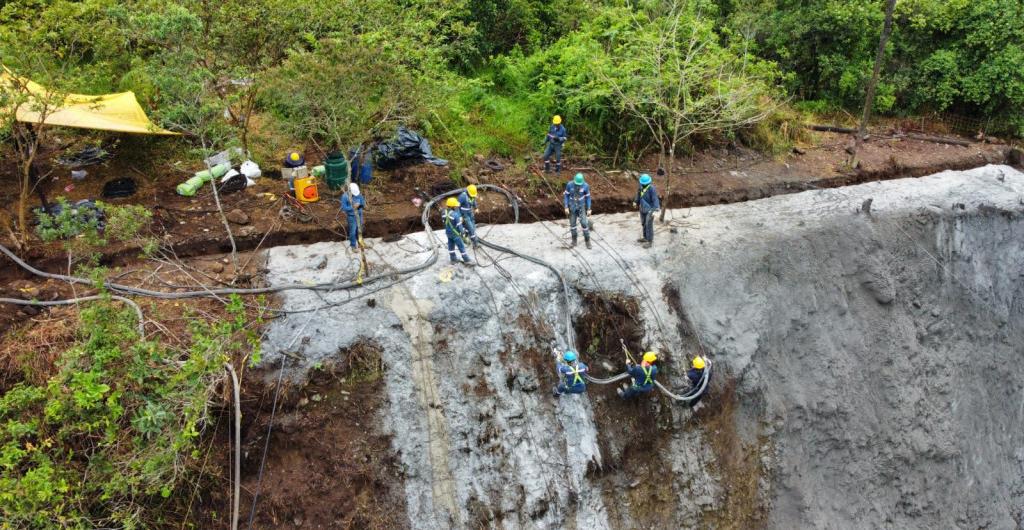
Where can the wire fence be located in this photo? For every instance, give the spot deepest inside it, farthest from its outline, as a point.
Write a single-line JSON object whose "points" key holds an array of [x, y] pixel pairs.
{"points": [[973, 127]]}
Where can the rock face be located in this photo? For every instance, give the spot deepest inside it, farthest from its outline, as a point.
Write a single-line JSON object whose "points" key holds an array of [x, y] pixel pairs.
{"points": [[868, 365]]}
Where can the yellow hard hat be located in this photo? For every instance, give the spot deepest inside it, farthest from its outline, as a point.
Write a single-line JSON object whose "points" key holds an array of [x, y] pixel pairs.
{"points": [[650, 357], [556, 120], [698, 362], [452, 202], [294, 156], [471, 190]]}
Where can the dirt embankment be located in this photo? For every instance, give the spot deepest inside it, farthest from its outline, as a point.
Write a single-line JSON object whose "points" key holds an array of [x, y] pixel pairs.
{"points": [[328, 464], [192, 227]]}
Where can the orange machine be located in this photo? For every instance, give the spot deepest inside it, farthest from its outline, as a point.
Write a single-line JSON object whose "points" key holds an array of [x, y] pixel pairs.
{"points": [[306, 190]]}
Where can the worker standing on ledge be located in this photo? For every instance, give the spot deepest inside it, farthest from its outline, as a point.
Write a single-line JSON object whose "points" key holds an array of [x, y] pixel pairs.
{"points": [[453, 228], [648, 202], [576, 200], [468, 209], [643, 376], [553, 141], [353, 204], [572, 372]]}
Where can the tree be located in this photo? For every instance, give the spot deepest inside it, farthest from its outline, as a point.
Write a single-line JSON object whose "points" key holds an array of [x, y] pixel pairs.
{"points": [[670, 73], [869, 98], [19, 94], [342, 93]]}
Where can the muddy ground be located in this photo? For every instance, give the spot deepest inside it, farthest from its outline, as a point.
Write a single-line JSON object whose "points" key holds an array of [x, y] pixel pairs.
{"points": [[192, 227]]}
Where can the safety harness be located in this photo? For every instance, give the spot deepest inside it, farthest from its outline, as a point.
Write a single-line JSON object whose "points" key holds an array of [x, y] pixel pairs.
{"points": [[643, 192], [577, 379], [448, 223], [647, 375]]}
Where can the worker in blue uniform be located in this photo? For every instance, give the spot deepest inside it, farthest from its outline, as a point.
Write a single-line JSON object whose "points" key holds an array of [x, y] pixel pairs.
{"points": [[293, 160], [553, 144], [468, 209], [453, 228], [696, 372], [576, 201], [648, 203], [353, 204], [572, 373], [643, 376]]}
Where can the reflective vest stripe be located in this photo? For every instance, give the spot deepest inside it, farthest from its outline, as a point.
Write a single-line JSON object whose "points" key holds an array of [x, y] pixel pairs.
{"points": [[647, 375]]}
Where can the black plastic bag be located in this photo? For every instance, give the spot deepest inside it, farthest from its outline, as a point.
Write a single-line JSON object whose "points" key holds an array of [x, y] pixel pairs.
{"points": [[114, 189], [405, 147], [233, 184]]}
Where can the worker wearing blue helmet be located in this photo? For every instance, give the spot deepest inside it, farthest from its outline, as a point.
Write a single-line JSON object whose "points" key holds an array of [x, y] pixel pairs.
{"points": [[572, 375], [648, 203], [576, 201]]}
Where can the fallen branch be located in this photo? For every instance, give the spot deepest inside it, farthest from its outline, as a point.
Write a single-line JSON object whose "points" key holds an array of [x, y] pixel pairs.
{"points": [[938, 140], [832, 128]]}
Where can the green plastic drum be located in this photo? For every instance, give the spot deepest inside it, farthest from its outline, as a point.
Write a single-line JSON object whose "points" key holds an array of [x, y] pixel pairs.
{"points": [[337, 172]]}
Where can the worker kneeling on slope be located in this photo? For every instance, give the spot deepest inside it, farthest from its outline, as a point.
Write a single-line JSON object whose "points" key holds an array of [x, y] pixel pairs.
{"points": [[576, 200], [453, 228], [572, 373], [695, 374], [643, 376], [468, 209], [353, 204]]}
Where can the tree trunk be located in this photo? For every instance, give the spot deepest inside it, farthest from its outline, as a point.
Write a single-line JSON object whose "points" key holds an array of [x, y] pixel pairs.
{"points": [[668, 181], [869, 97]]}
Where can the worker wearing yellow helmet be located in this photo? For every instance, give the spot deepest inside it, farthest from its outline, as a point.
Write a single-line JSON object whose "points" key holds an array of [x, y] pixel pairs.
{"points": [[454, 228], [696, 373], [553, 144], [643, 376], [468, 208], [292, 160]]}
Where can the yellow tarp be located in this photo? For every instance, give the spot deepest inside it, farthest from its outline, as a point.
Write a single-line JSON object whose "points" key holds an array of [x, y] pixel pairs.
{"points": [[119, 112]]}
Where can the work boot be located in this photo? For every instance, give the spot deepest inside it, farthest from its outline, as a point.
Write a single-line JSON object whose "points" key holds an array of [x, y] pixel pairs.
{"points": [[620, 392], [646, 244], [573, 244], [558, 168], [547, 166], [587, 241], [467, 262], [641, 240], [555, 392]]}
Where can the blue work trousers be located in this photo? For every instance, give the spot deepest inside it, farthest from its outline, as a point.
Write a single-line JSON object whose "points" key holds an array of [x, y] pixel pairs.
{"points": [[579, 214], [453, 243], [574, 389], [647, 223], [636, 391], [353, 229], [554, 149], [469, 222]]}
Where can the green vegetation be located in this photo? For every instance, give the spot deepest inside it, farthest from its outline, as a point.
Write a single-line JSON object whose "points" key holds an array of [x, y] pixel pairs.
{"points": [[945, 55], [83, 234], [486, 75], [114, 433]]}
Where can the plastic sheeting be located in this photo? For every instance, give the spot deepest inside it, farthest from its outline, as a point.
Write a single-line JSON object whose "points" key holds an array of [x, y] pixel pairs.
{"points": [[118, 112], [405, 147]]}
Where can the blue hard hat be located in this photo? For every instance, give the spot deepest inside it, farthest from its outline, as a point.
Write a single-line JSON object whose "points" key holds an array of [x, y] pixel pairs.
{"points": [[570, 356], [645, 179], [578, 179]]}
